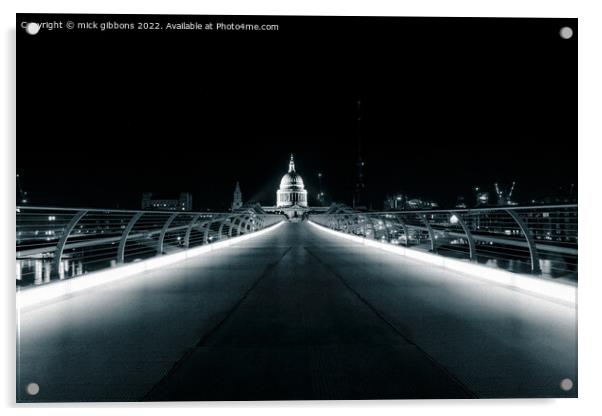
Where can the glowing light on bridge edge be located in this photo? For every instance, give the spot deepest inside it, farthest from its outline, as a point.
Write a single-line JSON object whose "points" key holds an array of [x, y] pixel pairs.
{"points": [[557, 291], [41, 294]]}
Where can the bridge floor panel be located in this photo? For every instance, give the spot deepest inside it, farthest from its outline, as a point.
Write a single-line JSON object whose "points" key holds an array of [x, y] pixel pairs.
{"points": [[302, 334]]}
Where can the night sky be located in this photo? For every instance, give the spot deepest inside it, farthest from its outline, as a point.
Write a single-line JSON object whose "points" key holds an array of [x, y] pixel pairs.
{"points": [[447, 104]]}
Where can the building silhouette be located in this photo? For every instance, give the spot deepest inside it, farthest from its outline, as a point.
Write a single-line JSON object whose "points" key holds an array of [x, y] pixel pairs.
{"points": [[151, 202], [237, 198]]}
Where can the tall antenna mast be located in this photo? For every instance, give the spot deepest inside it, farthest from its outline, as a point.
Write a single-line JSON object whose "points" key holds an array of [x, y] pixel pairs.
{"points": [[359, 181], [22, 194]]}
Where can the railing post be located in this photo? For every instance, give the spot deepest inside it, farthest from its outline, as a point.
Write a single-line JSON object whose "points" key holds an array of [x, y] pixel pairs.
{"points": [[124, 236], [206, 234], [163, 232], [58, 253], [430, 230], [237, 220], [471, 244], [241, 219], [221, 226], [203, 227], [189, 230], [535, 269], [219, 231], [405, 229], [242, 225]]}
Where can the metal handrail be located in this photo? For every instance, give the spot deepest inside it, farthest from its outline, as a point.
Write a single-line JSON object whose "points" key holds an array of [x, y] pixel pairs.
{"points": [[464, 210], [58, 243], [540, 239], [154, 211]]}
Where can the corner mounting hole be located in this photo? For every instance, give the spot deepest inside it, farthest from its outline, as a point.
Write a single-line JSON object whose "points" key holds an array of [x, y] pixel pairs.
{"points": [[566, 32], [566, 384], [32, 389], [32, 28]]}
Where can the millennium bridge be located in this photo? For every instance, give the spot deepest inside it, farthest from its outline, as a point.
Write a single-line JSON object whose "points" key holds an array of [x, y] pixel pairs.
{"points": [[117, 305]]}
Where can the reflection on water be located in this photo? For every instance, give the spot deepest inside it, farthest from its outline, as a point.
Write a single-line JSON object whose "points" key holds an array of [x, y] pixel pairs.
{"points": [[552, 266], [39, 271]]}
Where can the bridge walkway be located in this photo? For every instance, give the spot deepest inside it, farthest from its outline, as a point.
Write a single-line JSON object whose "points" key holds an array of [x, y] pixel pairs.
{"points": [[298, 314]]}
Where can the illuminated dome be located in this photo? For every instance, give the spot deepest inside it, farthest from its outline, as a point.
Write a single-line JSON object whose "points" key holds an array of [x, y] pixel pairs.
{"points": [[291, 180], [292, 190]]}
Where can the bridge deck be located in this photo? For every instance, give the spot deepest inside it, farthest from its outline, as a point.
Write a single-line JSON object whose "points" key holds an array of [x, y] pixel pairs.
{"points": [[297, 314]]}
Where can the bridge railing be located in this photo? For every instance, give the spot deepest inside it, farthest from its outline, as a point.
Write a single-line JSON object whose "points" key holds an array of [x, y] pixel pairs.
{"points": [[60, 243], [536, 239]]}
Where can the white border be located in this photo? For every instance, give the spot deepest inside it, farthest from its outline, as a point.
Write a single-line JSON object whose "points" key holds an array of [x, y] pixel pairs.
{"points": [[590, 170]]}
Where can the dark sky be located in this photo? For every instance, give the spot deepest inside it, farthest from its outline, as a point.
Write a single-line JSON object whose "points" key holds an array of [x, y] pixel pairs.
{"points": [[447, 104]]}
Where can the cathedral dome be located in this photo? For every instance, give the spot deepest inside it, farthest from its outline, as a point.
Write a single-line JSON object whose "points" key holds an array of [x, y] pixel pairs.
{"points": [[291, 180], [292, 190]]}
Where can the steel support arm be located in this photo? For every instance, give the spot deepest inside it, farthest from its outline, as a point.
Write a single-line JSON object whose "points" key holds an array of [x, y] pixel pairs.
{"points": [[471, 244], [530, 241], [163, 232], [124, 236], [430, 231], [58, 253]]}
